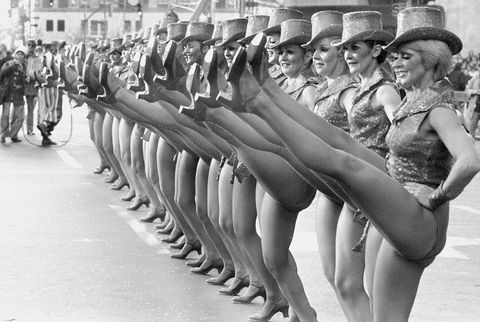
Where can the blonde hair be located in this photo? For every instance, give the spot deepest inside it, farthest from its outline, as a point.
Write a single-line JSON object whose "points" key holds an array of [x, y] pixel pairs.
{"points": [[435, 54]]}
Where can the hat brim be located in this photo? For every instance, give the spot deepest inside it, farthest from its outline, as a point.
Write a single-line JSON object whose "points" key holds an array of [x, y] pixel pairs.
{"points": [[247, 40], [298, 40], [200, 38], [115, 50], [272, 30], [233, 38], [212, 41], [159, 31], [333, 30], [427, 33], [376, 34]]}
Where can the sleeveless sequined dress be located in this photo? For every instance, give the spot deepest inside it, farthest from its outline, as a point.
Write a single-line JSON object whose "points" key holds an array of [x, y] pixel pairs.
{"points": [[327, 103], [367, 125], [413, 158]]}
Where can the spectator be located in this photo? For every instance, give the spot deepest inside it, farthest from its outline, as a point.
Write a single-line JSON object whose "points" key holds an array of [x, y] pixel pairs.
{"points": [[458, 78], [12, 80], [31, 92], [473, 89]]}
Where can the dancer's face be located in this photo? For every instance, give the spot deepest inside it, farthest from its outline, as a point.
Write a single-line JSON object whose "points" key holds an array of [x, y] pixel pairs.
{"points": [[192, 51], [410, 70], [161, 36], [115, 58], [292, 59], [272, 40], [325, 57], [229, 52], [359, 56]]}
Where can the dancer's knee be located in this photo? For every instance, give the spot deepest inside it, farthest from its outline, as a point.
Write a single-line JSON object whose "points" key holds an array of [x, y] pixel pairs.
{"points": [[349, 286]]}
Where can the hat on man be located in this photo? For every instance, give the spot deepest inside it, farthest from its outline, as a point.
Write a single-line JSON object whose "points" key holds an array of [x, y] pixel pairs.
{"points": [[216, 36], [295, 31], [233, 30], [256, 23], [199, 31], [325, 24], [363, 25], [176, 31], [280, 15], [423, 23]]}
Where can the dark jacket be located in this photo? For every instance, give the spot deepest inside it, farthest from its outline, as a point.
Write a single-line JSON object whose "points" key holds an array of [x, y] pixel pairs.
{"points": [[12, 81]]}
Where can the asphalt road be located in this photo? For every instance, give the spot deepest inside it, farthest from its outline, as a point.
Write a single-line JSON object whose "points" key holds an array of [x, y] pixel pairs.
{"points": [[69, 251]]}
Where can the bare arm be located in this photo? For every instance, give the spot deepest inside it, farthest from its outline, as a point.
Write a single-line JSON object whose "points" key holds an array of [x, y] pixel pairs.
{"points": [[466, 161]]}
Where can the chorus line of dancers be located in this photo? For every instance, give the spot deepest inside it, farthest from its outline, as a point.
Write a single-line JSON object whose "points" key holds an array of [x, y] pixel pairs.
{"points": [[216, 127]]}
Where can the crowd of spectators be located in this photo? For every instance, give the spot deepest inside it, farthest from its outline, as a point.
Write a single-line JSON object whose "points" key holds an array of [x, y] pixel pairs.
{"points": [[22, 81]]}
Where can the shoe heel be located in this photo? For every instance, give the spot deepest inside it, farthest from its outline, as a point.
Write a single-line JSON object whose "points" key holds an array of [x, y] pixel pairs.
{"points": [[284, 311]]}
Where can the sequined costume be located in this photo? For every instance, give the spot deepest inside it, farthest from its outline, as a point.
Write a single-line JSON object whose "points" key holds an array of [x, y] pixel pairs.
{"points": [[367, 125], [413, 158], [327, 102]]}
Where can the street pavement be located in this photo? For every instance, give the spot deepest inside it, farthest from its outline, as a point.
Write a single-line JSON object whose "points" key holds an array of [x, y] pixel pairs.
{"points": [[71, 252]]}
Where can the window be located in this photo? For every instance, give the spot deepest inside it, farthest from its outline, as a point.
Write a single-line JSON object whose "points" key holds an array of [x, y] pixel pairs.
{"points": [[94, 27], [98, 27], [46, 4], [127, 26], [63, 3], [49, 26], [138, 25], [60, 25]]}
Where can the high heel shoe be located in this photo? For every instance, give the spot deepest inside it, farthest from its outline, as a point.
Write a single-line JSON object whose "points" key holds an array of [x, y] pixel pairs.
{"points": [[244, 85], [163, 224], [179, 244], [187, 249], [101, 168], [129, 196], [197, 262], [252, 293], [109, 86], [167, 230], [111, 178], [173, 237], [207, 266], [119, 185], [137, 203], [224, 276], [257, 58], [210, 73], [152, 215], [270, 309], [237, 285]]}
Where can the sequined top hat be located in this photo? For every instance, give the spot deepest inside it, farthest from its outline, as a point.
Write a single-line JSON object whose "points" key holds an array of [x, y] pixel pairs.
{"points": [[126, 40], [279, 16], [217, 34], [115, 46], [177, 30], [199, 31], [256, 23], [423, 23], [139, 35], [363, 25], [233, 30], [105, 45], [146, 35], [295, 31], [325, 24], [164, 24]]}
